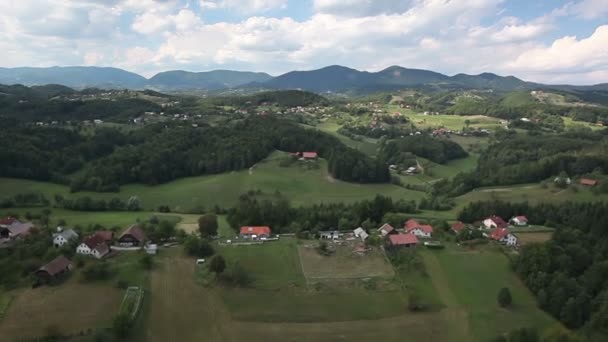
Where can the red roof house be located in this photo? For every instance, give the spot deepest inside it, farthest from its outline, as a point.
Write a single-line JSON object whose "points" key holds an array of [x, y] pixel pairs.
{"points": [[402, 240], [494, 222], [458, 227], [309, 155], [421, 230], [411, 224], [503, 236], [519, 220], [588, 182], [256, 232], [106, 235]]}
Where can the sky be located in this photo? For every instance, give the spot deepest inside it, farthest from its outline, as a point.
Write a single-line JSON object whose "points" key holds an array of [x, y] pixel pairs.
{"points": [[550, 41]]}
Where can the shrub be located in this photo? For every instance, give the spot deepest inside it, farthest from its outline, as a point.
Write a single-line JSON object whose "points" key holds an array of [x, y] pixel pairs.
{"points": [[414, 303], [504, 297]]}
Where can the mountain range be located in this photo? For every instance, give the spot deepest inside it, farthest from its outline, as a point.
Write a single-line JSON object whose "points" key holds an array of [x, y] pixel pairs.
{"points": [[329, 79]]}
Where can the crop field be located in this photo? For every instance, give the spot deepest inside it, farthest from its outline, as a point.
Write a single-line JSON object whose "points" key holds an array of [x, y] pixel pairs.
{"points": [[470, 280], [533, 237], [343, 264], [70, 308]]}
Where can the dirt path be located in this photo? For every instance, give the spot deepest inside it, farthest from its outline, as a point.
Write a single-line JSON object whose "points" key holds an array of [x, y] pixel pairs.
{"points": [[454, 315]]}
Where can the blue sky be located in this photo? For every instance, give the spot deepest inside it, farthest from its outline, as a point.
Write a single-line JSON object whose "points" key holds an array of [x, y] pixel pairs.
{"points": [[546, 41]]}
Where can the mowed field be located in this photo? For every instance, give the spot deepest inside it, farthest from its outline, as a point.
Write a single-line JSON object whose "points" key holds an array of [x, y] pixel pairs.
{"points": [[300, 185], [70, 308], [343, 264], [470, 280]]}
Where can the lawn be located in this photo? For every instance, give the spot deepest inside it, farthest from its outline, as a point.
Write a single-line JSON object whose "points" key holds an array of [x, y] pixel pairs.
{"points": [[343, 264], [300, 185], [471, 280], [273, 264], [71, 307]]}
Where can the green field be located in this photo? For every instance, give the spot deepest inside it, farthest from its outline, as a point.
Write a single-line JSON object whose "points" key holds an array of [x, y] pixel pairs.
{"points": [[366, 145], [300, 185], [473, 279]]}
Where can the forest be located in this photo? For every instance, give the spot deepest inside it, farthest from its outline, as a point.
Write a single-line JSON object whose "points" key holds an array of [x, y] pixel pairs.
{"points": [[438, 150], [159, 153], [569, 273]]}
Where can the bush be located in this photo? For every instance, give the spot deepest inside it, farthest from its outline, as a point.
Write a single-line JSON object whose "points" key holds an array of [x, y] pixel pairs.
{"points": [[504, 297], [414, 303], [217, 264], [146, 262], [197, 247], [237, 275], [97, 271]]}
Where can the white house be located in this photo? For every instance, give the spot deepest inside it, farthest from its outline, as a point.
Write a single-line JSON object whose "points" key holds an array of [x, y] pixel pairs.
{"points": [[361, 233], [420, 230], [386, 229], [494, 222], [519, 221], [503, 236], [94, 246], [63, 237]]}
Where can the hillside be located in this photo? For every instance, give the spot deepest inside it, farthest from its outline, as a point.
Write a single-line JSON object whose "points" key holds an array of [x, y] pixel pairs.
{"points": [[217, 79], [77, 77]]}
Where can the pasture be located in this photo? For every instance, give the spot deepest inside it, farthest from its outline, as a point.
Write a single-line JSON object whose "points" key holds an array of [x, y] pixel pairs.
{"points": [[470, 281], [301, 185], [525, 238], [70, 308], [343, 264]]}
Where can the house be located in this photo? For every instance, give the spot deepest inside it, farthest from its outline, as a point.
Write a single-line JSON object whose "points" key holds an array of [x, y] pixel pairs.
{"points": [[309, 155], [95, 246], [503, 236], [329, 235], [132, 237], [17, 230], [458, 227], [63, 237], [386, 229], [54, 269], [402, 240], [588, 182], [106, 235], [494, 222], [7, 221], [519, 221], [361, 233], [255, 233], [421, 230]]}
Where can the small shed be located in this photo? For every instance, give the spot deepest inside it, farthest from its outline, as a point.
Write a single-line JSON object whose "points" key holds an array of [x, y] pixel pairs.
{"points": [[54, 269]]}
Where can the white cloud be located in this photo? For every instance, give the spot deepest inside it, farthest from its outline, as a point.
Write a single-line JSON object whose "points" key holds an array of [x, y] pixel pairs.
{"points": [[591, 9], [361, 7], [244, 6]]}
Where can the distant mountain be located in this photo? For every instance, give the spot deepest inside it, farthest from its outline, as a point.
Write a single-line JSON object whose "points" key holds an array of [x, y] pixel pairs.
{"points": [[75, 77], [217, 79], [333, 78]]}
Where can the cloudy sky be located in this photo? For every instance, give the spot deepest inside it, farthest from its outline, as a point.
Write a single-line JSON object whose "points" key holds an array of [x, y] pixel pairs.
{"points": [[551, 41]]}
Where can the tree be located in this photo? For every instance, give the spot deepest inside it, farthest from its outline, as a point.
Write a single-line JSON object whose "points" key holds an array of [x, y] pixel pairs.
{"points": [[197, 247], [207, 225], [217, 264], [146, 261], [504, 297]]}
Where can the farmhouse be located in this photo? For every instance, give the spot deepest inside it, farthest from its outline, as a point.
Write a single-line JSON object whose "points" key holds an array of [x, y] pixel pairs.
{"points": [[503, 236], [494, 222], [402, 240], [361, 233], [255, 233], [309, 155], [63, 237], [588, 182], [519, 221], [106, 235], [95, 246], [386, 229], [54, 269], [457, 227], [421, 230], [132, 237]]}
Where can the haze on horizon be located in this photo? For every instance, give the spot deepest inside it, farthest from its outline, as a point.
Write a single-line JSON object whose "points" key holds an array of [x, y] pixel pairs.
{"points": [[547, 41]]}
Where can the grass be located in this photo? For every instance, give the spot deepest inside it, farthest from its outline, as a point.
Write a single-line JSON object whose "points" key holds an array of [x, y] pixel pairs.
{"points": [[366, 145], [533, 237], [473, 279], [343, 264], [273, 265], [452, 122], [301, 186], [71, 307], [5, 302]]}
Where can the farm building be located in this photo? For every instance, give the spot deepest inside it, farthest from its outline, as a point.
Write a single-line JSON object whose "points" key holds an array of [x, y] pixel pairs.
{"points": [[402, 240], [54, 269], [421, 230], [7, 221], [16, 230], [386, 229], [458, 227], [519, 221], [151, 249], [588, 182], [309, 155], [64, 236], [329, 235], [503, 236], [106, 235], [360, 233], [255, 233], [133, 236], [95, 246], [494, 222]]}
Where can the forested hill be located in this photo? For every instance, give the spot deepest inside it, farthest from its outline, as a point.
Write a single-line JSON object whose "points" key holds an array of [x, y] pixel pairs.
{"points": [[162, 152]]}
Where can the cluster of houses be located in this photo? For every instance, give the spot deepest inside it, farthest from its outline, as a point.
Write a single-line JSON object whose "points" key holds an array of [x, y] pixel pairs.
{"points": [[496, 228]]}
